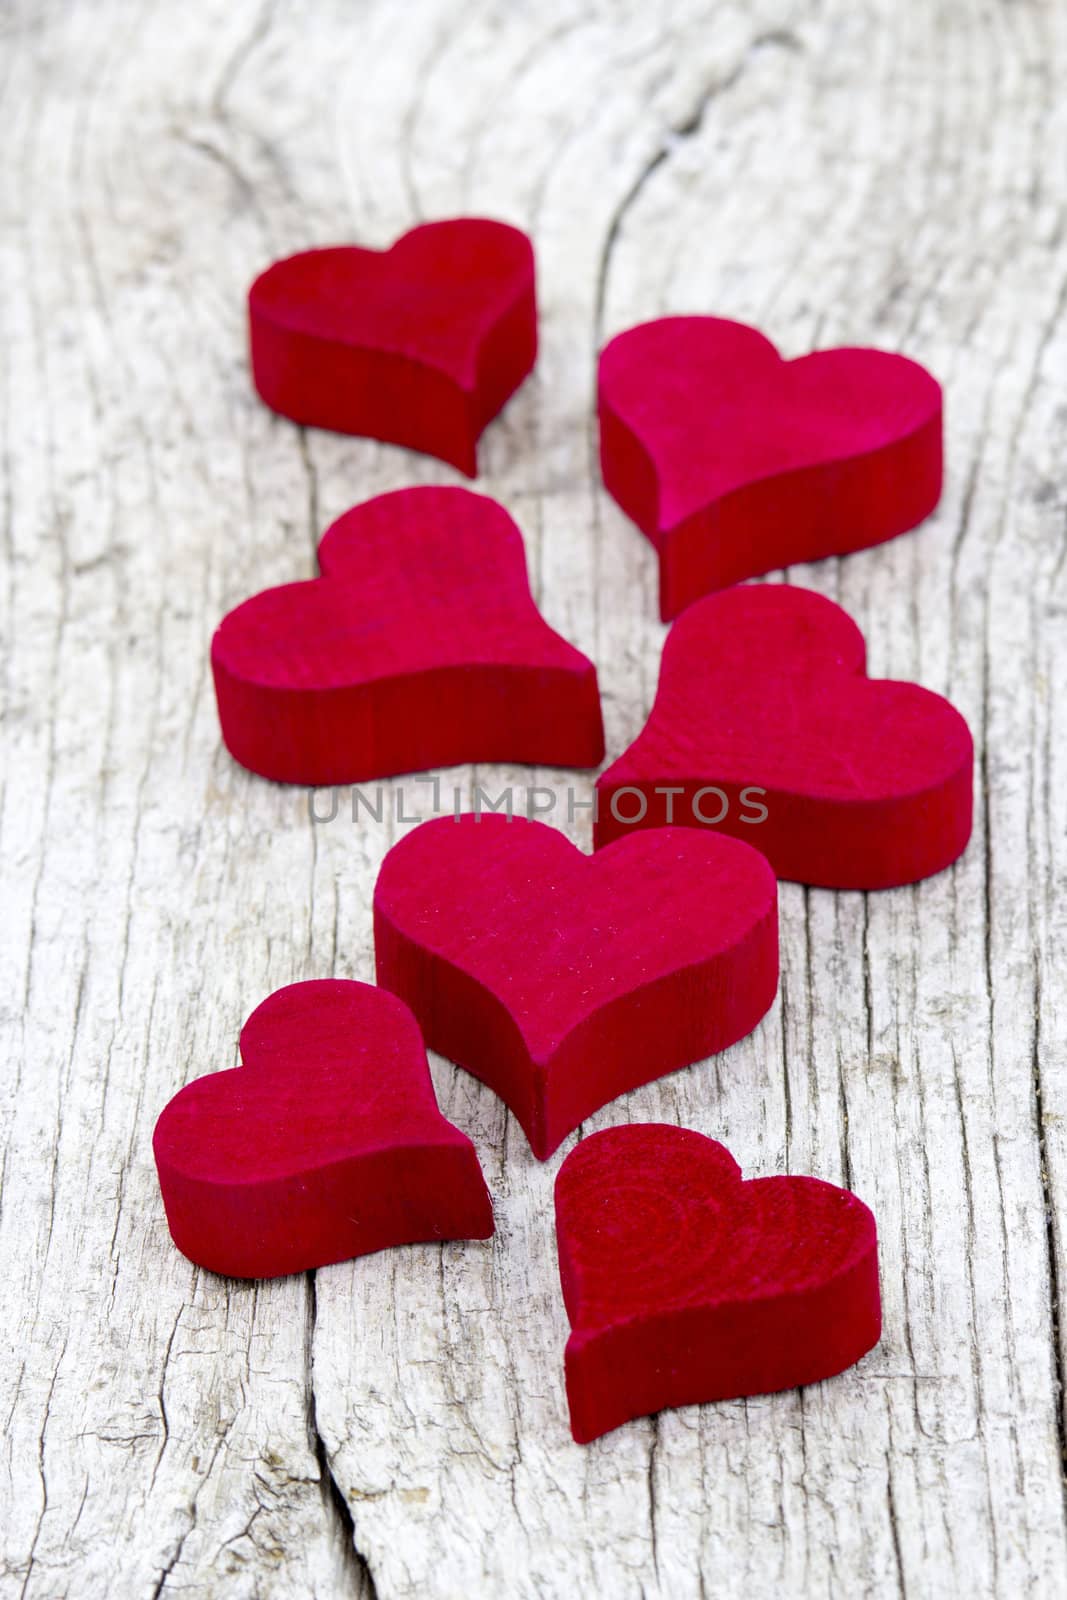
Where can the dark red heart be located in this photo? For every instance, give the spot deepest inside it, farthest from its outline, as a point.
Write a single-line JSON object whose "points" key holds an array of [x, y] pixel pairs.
{"points": [[327, 1143], [735, 462], [562, 980], [683, 1284], [418, 345], [420, 646], [765, 727]]}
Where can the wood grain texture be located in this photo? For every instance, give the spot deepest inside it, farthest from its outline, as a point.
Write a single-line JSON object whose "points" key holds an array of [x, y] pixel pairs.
{"points": [[888, 173], [679, 1276]]}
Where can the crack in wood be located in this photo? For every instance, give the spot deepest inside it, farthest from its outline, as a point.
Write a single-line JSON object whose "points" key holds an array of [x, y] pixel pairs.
{"points": [[334, 1498]]}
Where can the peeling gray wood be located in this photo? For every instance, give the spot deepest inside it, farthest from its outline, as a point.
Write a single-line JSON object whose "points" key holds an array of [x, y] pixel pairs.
{"points": [[890, 173]]}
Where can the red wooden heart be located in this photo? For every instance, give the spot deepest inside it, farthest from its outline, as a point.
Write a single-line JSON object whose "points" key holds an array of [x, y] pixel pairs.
{"points": [[420, 646], [418, 345], [683, 1284], [326, 1144], [562, 980], [765, 727], [735, 462]]}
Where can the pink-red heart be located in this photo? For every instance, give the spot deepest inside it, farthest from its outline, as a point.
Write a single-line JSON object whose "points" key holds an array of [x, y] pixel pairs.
{"points": [[683, 1284], [735, 462], [327, 1143], [419, 345], [765, 727], [562, 980], [420, 646]]}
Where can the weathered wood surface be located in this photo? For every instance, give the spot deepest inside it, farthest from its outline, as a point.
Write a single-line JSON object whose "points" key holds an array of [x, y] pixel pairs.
{"points": [[878, 172]]}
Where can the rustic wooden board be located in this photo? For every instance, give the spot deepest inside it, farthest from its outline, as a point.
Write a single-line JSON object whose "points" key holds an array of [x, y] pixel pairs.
{"points": [[889, 172]]}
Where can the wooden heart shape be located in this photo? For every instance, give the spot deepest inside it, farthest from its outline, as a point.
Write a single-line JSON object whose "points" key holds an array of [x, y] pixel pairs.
{"points": [[418, 345], [562, 980], [735, 462], [327, 1143], [683, 1284], [420, 646], [765, 727]]}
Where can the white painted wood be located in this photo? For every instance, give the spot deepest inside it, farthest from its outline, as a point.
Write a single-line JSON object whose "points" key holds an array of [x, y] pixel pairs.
{"points": [[875, 172]]}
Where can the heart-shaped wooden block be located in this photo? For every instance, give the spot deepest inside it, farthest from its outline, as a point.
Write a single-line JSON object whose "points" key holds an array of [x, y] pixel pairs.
{"points": [[562, 980], [765, 727], [683, 1284], [734, 462], [418, 345], [327, 1143], [420, 646]]}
